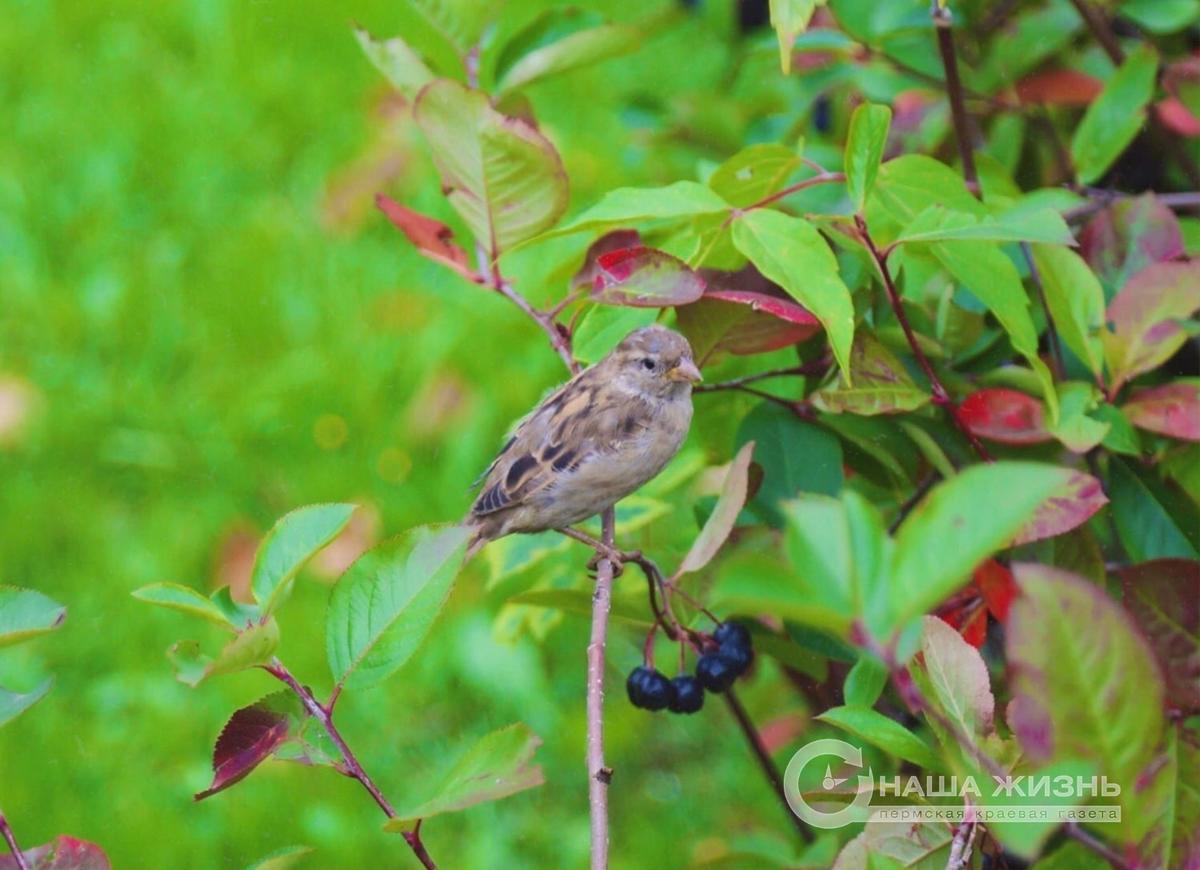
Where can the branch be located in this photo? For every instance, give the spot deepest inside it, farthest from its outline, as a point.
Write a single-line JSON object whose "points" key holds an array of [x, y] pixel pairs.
{"points": [[599, 773], [823, 178], [940, 396], [816, 367], [1079, 835], [942, 21], [1102, 199], [764, 760], [559, 340], [352, 767], [18, 855]]}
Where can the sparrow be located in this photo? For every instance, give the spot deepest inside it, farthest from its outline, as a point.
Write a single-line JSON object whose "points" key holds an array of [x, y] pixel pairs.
{"points": [[593, 441]]}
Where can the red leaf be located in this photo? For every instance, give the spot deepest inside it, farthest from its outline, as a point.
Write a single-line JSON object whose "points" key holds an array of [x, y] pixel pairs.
{"points": [[62, 853], [645, 278], [995, 582], [1172, 409], [1164, 598], [1004, 415], [248, 739], [1129, 235], [432, 238], [969, 620], [1176, 117], [1067, 509], [1059, 87], [611, 241]]}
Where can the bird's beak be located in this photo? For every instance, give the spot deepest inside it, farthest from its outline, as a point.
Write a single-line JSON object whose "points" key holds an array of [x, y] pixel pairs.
{"points": [[685, 370]]}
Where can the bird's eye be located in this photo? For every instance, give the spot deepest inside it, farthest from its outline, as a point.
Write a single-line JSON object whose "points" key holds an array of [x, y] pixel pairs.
{"points": [[647, 364]]}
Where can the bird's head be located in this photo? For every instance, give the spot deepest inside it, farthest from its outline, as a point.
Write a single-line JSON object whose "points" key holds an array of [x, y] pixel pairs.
{"points": [[655, 361]]}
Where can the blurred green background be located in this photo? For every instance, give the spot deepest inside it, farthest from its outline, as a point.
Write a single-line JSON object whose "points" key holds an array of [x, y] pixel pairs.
{"points": [[203, 324]]}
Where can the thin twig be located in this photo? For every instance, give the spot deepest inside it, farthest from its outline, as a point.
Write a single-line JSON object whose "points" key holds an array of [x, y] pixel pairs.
{"points": [[1103, 199], [10, 838], [351, 766], [940, 395], [765, 761], [1084, 838], [942, 21], [560, 341], [911, 502], [823, 178], [599, 773], [1057, 365], [816, 367]]}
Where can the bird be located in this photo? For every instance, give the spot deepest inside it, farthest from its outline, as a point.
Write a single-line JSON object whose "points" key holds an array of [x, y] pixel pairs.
{"points": [[592, 441]]}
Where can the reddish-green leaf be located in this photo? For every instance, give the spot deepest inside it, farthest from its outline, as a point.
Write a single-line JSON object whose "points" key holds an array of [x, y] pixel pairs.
{"points": [[62, 853], [432, 238], [1070, 506], [249, 738], [614, 240], [1164, 598], [503, 176], [1142, 319], [644, 278], [400, 65], [1171, 409], [958, 677], [721, 521], [1084, 682], [1004, 415], [1127, 237]]}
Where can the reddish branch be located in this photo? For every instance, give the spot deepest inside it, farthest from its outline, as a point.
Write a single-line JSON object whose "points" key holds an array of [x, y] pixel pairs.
{"points": [[940, 395], [942, 20], [9, 838], [350, 763]]}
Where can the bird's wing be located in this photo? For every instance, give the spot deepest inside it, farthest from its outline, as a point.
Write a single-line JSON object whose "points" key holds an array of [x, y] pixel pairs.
{"points": [[573, 425]]}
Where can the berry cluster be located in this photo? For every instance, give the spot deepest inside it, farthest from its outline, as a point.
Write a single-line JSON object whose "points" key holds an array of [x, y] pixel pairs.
{"points": [[650, 689]]}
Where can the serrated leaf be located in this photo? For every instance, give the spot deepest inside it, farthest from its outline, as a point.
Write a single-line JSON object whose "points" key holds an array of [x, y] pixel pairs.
{"points": [[1114, 118], [251, 647], [721, 521], [864, 150], [12, 704], [385, 604], [249, 738], [293, 541], [793, 254], [174, 596], [502, 175], [924, 569], [496, 767], [887, 734], [26, 613], [400, 65]]}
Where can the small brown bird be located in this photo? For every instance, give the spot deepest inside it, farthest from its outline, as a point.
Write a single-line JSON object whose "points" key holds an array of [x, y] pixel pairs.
{"points": [[595, 440]]}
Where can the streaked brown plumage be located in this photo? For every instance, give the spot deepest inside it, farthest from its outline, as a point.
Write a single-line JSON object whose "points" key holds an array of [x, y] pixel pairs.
{"points": [[593, 441]]}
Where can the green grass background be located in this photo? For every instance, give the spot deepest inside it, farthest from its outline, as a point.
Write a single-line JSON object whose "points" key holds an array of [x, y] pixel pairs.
{"points": [[217, 327]]}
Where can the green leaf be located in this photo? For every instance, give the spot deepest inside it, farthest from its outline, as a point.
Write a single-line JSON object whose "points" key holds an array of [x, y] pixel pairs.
{"points": [[394, 58], [938, 223], [603, 327], [1076, 302], [496, 767], [724, 516], [387, 601], [796, 456], [535, 54], [864, 149], [173, 596], [754, 173], [907, 186], [887, 734], [26, 613], [1092, 692], [792, 253], [627, 206], [282, 859], [980, 510], [790, 18], [293, 541], [502, 175], [749, 582], [13, 704], [251, 647], [1144, 511], [865, 682], [1161, 16], [579, 602], [1114, 117], [958, 677], [1078, 432], [983, 269], [881, 384]]}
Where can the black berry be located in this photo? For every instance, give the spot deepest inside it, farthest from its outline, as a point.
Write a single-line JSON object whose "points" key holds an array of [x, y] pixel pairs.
{"points": [[732, 632], [648, 689], [737, 656], [714, 673], [689, 695]]}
